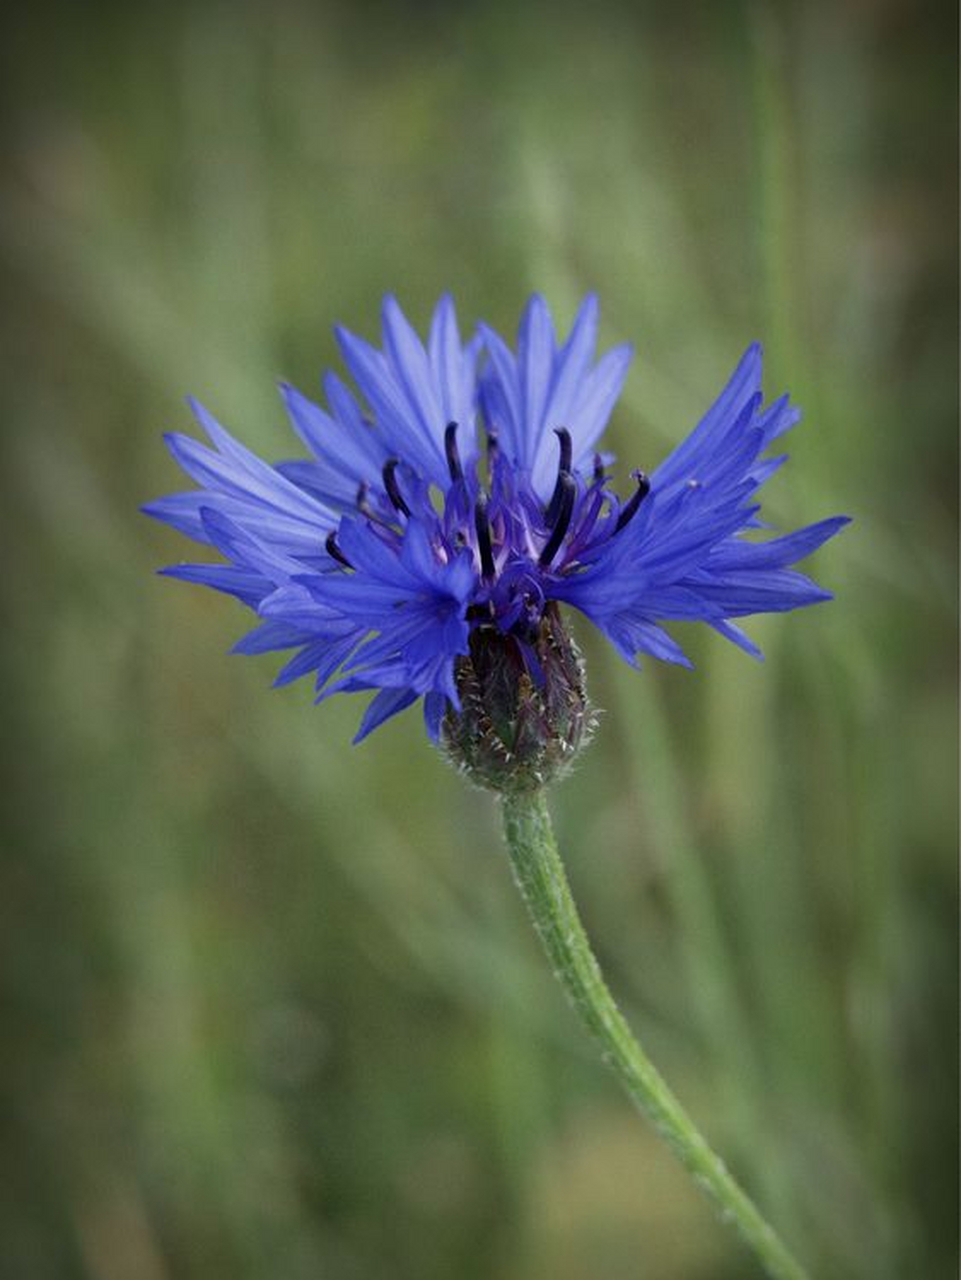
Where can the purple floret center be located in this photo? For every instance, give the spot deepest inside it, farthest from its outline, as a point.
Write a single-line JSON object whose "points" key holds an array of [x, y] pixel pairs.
{"points": [[518, 542]]}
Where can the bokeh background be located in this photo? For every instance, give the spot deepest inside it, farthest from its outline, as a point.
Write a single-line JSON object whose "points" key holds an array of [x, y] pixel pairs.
{"points": [[271, 1007]]}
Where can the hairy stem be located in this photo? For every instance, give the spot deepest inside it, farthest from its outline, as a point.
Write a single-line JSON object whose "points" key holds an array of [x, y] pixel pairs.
{"points": [[540, 877]]}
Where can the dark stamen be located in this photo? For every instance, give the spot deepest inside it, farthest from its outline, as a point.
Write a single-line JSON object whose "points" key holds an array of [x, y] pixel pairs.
{"points": [[493, 442], [629, 510], [392, 487], [363, 502], [564, 436], [450, 449], [483, 528], [567, 487], [563, 468], [335, 552], [598, 468]]}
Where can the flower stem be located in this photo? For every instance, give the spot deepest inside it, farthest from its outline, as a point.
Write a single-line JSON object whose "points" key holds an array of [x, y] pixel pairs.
{"points": [[540, 877]]}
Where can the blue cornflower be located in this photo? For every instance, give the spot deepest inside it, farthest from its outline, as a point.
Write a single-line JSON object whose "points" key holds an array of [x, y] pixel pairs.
{"points": [[409, 556]]}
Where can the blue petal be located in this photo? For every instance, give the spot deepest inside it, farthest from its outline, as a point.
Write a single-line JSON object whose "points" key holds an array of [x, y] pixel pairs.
{"points": [[734, 633], [302, 663], [296, 606], [453, 373], [573, 362], [248, 587], [411, 367], [291, 534], [349, 447], [535, 360], [376, 381], [435, 707], [243, 549], [215, 472], [500, 396], [387, 703], [597, 396], [270, 636], [776, 553], [773, 591], [743, 385]]}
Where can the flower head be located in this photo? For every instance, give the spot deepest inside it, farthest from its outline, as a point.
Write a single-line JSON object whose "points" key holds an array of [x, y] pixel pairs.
{"points": [[423, 547]]}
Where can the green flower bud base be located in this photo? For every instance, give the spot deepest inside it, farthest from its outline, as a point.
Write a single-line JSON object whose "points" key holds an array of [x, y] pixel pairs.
{"points": [[540, 877], [514, 734]]}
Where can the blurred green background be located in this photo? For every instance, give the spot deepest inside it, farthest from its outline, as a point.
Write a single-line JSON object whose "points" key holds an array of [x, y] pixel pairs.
{"points": [[271, 1006]]}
